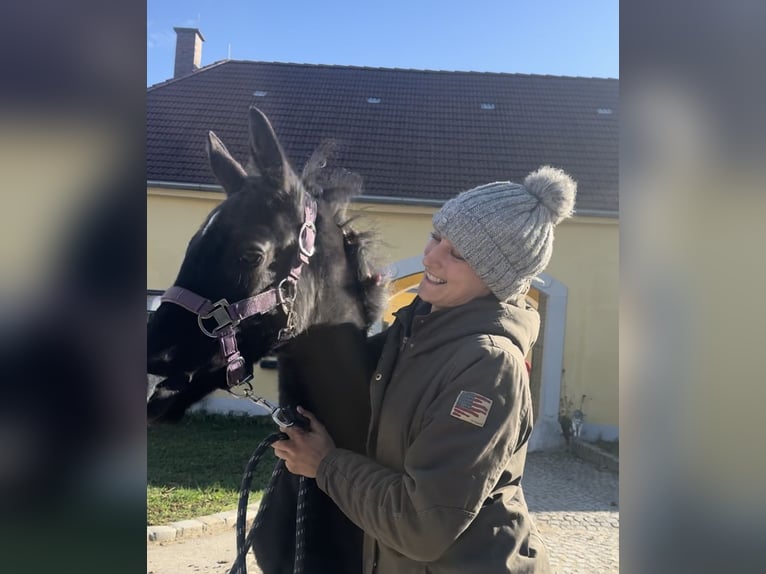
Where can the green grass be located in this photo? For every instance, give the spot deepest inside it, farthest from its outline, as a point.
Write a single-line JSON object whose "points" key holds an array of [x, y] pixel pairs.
{"points": [[195, 467]]}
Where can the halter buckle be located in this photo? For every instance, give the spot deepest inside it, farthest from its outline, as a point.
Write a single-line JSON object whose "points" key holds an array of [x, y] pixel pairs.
{"points": [[303, 235], [220, 313]]}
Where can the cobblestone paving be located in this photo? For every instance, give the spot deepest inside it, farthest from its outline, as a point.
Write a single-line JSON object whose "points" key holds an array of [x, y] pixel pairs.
{"points": [[575, 506], [573, 503]]}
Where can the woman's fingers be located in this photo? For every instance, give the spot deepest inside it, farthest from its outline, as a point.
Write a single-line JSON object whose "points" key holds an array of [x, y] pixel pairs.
{"points": [[315, 424]]}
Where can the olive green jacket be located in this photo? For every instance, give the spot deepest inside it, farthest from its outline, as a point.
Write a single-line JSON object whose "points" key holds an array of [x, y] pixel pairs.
{"points": [[451, 416]]}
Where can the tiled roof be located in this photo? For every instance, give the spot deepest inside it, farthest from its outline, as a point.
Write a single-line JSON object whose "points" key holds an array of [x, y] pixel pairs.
{"points": [[428, 137]]}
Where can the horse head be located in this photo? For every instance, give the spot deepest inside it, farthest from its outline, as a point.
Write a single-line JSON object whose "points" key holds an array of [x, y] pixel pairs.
{"points": [[279, 236]]}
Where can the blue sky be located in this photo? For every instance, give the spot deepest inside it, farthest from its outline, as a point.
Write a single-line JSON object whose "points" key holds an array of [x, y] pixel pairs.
{"points": [[557, 37]]}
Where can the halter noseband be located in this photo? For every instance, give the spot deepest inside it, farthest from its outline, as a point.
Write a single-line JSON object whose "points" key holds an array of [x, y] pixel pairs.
{"points": [[228, 315]]}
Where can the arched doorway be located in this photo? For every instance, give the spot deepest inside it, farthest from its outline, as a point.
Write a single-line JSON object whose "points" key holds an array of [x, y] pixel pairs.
{"points": [[549, 297]]}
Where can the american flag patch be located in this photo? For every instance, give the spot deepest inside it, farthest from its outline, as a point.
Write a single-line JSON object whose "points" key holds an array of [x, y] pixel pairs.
{"points": [[472, 408]]}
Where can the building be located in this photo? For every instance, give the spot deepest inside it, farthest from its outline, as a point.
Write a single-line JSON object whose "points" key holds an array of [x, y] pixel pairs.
{"points": [[418, 138]]}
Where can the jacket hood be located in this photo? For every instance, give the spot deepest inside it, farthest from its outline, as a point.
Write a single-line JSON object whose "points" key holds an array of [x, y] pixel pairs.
{"points": [[517, 321]]}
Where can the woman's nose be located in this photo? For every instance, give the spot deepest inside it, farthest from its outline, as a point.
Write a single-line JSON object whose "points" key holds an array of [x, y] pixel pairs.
{"points": [[431, 253]]}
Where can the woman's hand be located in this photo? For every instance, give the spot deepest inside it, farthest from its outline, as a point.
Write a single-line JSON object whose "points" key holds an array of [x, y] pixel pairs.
{"points": [[305, 449]]}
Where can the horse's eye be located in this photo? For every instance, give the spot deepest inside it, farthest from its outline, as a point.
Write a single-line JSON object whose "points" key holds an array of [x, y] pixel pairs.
{"points": [[252, 257]]}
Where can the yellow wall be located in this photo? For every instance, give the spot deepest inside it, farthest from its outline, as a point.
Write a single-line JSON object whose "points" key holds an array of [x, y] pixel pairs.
{"points": [[585, 259], [404, 230], [172, 217]]}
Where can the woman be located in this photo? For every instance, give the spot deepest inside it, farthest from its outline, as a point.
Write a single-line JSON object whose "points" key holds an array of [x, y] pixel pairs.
{"points": [[440, 488]]}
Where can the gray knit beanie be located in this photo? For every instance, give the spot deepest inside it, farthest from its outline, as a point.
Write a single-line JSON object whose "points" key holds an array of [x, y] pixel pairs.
{"points": [[504, 230]]}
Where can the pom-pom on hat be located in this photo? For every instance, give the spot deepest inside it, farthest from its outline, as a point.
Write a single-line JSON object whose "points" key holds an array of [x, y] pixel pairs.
{"points": [[504, 230]]}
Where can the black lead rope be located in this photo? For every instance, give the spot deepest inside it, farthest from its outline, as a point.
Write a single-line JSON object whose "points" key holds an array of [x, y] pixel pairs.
{"points": [[245, 542], [300, 529], [284, 417]]}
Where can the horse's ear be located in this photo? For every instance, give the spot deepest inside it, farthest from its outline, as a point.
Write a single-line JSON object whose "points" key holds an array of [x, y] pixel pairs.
{"points": [[226, 169], [268, 157]]}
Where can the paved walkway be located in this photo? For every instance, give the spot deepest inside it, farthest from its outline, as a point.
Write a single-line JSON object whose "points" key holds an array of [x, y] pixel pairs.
{"points": [[575, 506], [573, 503]]}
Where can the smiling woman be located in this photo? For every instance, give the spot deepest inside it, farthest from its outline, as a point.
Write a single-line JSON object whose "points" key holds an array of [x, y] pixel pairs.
{"points": [[440, 483], [448, 280]]}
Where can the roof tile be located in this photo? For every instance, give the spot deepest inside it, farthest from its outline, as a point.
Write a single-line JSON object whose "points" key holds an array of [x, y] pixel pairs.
{"points": [[427, 138]]}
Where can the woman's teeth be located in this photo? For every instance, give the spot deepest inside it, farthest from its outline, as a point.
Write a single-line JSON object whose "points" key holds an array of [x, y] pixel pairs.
{"points": [[433, 279]]}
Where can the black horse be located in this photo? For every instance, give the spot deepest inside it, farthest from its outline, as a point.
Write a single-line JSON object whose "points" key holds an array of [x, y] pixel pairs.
{"points": [[282, 247]]}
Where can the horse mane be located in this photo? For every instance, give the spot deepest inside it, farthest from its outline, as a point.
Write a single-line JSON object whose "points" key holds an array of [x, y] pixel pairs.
{"points": [[337, 186], [373, 285]]}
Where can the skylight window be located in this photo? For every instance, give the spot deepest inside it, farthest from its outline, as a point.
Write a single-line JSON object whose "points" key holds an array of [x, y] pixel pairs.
{"points": [[487, 106], [373, 100], [605, 111], [259, 93]]}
